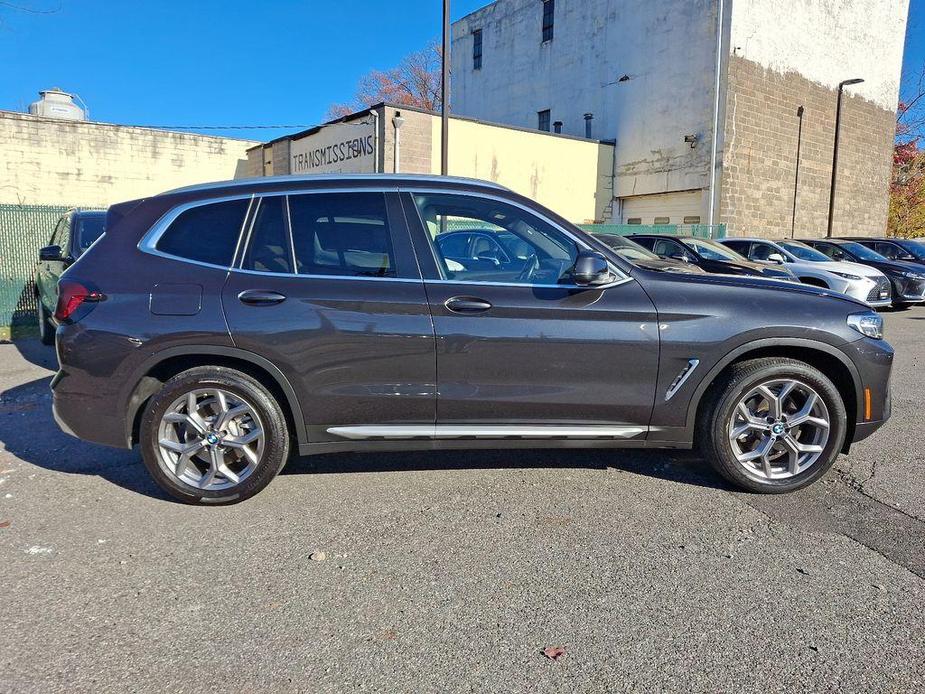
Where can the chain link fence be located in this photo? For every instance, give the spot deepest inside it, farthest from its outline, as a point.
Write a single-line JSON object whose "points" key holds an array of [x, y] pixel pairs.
{"points": [[700, 231], [24, 229]]}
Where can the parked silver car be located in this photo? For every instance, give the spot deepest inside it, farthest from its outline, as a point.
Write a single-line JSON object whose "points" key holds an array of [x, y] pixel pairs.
{"points": [[858, 281]]}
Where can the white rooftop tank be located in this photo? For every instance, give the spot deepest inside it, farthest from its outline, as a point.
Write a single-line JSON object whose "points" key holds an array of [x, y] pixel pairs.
{"points": [[54, 103]]}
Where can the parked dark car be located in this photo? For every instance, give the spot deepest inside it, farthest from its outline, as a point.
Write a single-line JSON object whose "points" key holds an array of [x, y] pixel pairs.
{"points": [[905, 250], [73, 234], [908, 279], [709, 256], [642, 257], [222, 326]]}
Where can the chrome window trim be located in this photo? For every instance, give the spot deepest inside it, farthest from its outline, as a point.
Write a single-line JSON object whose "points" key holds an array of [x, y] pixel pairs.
{"points": [[148, 242], [324, 277], [623, 278]]}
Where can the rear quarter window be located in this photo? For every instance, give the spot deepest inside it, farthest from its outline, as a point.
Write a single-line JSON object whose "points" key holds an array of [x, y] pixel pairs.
{"points": [[206, 233]]}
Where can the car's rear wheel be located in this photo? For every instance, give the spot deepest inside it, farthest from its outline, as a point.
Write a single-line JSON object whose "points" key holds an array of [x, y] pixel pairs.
{"points": [[773, 425], [213, 435], [46, 329]]}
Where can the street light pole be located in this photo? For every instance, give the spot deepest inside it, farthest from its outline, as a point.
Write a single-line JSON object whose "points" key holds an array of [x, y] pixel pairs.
{"points": [[445, 92], [841, 88]]}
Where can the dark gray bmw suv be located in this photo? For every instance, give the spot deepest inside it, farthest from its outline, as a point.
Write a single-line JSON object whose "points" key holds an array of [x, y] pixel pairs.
{"points": [[222, 327]]}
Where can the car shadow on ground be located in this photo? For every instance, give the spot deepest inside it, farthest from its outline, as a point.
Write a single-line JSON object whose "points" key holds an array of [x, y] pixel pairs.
{"points": [[29, 432]]}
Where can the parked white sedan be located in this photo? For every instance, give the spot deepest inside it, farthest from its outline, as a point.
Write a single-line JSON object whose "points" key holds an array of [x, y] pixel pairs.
{"points": [[861, 282]]}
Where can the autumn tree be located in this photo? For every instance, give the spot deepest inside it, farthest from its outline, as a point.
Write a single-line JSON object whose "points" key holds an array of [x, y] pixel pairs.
{"points": [[907, 185], [414, 82]]}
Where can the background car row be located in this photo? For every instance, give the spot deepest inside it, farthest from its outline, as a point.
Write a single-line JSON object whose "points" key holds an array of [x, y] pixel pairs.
{"points": [[877, 271]]}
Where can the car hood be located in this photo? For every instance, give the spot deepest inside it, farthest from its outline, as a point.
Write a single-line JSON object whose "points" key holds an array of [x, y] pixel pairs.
{"points": [[852, 268], [756, 282], [896, 266]]}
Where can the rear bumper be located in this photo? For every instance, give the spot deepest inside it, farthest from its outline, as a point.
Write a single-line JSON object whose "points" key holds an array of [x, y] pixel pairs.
{"points": [[86, 416]]}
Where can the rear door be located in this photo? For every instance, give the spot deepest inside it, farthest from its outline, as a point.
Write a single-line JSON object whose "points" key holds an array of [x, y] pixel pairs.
{"points": [[327, 288], [521, 350]]}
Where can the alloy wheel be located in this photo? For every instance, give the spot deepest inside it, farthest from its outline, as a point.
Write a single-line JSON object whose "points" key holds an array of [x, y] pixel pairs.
{"points": [[210, 439], [779, 429]]}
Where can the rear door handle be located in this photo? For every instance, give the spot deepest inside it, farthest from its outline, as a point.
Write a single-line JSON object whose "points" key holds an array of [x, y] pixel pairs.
{"points": [[467, 304], [259, 297]]}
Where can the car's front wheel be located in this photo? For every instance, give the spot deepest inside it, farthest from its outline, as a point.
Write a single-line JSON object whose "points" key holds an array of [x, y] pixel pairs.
{"points": [[773, 425], [46, 329], [214, 435]]}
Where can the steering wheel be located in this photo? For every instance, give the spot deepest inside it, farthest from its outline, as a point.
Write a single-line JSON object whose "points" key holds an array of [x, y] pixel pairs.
{"points": [[530, 267]]}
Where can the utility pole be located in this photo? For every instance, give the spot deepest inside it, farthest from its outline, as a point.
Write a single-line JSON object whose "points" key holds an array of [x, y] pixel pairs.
{"points": [[841, 88], [445, 93]]}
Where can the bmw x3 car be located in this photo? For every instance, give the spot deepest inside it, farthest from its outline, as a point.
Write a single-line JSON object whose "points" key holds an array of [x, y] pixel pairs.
{"points": [[223, 327]]}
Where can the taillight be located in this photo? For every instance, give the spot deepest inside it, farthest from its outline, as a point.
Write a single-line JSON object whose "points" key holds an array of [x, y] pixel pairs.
{"points": [[71, 296]]}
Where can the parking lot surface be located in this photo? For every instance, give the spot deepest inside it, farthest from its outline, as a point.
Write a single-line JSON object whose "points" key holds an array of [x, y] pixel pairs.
{"points": [[454, 571]]}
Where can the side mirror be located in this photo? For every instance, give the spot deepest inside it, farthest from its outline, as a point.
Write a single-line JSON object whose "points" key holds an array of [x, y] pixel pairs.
{"points": [[776, 258], [50, 253], [591, 269], [908, 256], [681, 257]]}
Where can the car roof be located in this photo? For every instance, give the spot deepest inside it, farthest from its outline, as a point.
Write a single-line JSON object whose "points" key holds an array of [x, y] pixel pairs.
{"points": [[391, 179], [78, 212], [753, 238]]}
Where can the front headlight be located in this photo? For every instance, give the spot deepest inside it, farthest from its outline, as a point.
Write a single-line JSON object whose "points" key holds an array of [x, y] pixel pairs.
{"points": [[867, 323], [847, 276], [913, 276]]}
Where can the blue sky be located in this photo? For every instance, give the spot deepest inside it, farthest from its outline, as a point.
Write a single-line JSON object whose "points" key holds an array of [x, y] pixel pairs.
{"points": [[224, 62]]}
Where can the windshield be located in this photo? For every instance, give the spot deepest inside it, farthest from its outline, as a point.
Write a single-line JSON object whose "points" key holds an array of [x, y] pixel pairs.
{"points": [[804, 252], [916, 248], [89, 229], [711, 250], [862, 252], [625, 248]]}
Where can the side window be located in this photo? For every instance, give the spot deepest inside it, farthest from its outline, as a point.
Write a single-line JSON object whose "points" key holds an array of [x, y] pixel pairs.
{"points": [[454, 245], [832, 251], [341, 234], [645, 242], [509, 244], [887, 249], [63, 234], [667, 249], [762, 251], [207, 233], [269, 249], [740, 247]]}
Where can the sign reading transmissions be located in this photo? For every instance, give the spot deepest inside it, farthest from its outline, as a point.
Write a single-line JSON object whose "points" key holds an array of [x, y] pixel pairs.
{"points": [[339, 148]]}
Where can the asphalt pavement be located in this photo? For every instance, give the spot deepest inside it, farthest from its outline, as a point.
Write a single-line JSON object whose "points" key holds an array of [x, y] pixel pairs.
{"points": [[453, 571]]}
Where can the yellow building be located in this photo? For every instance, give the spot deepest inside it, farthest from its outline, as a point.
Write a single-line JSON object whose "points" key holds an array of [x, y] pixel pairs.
{"points": [[570, 175]]}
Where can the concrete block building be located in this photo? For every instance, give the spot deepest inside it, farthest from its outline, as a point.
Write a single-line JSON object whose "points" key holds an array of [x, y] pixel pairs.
{"points": [[708, 101]]}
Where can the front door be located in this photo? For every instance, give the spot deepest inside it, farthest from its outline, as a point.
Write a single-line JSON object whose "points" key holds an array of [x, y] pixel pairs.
{"points": [[328, 290], [521, 351]]}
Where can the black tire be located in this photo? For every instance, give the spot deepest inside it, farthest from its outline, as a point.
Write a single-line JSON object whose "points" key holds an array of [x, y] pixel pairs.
{"points": [[276, 445], [46, 329], [723, 399]]}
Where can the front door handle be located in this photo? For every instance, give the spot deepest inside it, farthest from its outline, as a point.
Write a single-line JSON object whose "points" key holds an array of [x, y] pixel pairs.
{"points": [[467, 304], [259, 297]]}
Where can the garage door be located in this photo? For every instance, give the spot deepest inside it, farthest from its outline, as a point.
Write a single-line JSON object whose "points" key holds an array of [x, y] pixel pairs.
{"points": [[667, 208]]}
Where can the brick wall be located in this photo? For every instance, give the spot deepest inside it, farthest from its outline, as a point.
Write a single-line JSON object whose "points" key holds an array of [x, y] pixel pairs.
{"points": [[759, 161], [49, 162], [415, 142]]}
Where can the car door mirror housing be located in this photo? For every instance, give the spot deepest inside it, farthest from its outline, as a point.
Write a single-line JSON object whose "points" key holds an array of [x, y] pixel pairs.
{"points": [[591, 269], [681, 257], [776, 258], [50, 253]]}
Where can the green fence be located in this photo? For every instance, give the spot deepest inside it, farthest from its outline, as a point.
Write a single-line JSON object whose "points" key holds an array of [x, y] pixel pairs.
{"points": [[24, 229], [700, 231]]}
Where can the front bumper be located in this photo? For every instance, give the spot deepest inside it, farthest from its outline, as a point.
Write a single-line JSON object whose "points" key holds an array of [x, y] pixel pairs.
{"points": [[874, 362]]}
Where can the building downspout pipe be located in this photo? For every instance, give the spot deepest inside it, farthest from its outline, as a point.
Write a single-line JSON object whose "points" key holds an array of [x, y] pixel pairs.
{"points": [[375, 114], [397, 122], [714, 149]]}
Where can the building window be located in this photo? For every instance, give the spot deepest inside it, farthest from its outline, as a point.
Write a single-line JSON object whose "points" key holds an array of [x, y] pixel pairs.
{"points": [[477, 49], [549, 13], [634, 220], [543, 118], [692, 220], [663, 220]]}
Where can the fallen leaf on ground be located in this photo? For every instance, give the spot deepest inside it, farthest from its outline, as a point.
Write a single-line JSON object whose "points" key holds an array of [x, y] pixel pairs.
{"points": [[554, 652], [317, 556], [5, 523]]}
